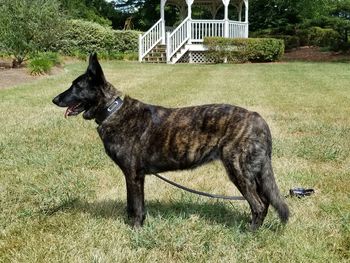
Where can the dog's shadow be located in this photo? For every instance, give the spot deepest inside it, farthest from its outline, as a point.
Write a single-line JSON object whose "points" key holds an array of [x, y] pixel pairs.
{"points": [[213, 213]]}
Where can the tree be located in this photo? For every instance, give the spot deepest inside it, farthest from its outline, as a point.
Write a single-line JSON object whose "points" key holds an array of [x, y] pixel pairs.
{"points": [[28, 26], [341, 15], [284, 14], [88, 10]]}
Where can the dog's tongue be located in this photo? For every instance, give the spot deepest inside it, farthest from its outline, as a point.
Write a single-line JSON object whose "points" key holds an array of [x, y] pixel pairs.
{"points": [[68, 111], [71, 110]]}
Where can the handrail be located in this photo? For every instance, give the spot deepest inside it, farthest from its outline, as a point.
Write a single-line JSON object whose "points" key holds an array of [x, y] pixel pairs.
{"points": [[207, 28], [237, 22], [177, 38], [150, 39]]}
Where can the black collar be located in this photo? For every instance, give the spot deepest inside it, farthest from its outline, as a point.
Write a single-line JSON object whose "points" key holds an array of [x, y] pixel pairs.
{"points": [[113, 107]]}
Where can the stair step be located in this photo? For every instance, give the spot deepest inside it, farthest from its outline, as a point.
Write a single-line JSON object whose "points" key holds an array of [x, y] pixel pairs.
{"points": [[156, 55], [155, 59], [159, 49]]}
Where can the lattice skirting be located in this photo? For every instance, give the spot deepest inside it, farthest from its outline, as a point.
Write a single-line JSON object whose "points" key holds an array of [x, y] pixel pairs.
{"points": [[195, 57]]}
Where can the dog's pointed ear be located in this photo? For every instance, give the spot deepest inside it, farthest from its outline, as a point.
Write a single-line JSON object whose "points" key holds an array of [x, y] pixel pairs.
{"points": [[94, 69]]}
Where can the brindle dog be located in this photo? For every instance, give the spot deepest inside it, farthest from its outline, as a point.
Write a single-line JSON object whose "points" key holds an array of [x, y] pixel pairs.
{"points": [[143, 139]]}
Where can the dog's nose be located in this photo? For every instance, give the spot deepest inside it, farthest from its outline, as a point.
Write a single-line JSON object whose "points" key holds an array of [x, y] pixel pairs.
{"points": [[56, 100]]}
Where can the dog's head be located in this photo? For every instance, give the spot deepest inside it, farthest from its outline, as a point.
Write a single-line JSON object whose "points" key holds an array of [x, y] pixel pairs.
{"points": [[87, 92]]}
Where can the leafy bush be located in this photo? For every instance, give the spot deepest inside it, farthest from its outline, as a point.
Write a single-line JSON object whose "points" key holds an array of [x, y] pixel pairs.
{"points": [[323, 37], [42, 63], [244, 49], [290, 41], [28, 26], [84, 37], [130, 56], [52, 56], [306, 36]]}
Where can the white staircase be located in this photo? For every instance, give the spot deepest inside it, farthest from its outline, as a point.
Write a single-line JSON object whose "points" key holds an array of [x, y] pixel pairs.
{"points": [[150, 39], [182, 51]]}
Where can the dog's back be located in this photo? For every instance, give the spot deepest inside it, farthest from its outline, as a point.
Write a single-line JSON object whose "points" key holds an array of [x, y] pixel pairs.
{"points": [[180, 138]]}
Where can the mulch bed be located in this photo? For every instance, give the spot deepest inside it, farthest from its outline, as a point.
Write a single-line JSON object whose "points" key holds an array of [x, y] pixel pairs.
{"points": [[315, 54]]}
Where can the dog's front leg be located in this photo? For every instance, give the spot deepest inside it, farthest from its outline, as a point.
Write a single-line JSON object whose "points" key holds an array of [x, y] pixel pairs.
{"points": [[135, 198]]}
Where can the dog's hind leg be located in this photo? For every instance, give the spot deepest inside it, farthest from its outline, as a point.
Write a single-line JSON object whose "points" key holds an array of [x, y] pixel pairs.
{"points": [[135, 198], [242, 174]]}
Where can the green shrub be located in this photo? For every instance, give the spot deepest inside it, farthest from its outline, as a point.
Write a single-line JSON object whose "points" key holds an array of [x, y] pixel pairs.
{"points": [[131, 56], [28, 26], [323, 37], [317, 36], [83, 37], [117, 55], [304, 37], [290, 42], [52, 56], [42, 63], [244, 49]]}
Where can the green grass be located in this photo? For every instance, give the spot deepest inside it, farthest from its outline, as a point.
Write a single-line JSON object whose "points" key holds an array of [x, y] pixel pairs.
{"points": [[63, 200]]}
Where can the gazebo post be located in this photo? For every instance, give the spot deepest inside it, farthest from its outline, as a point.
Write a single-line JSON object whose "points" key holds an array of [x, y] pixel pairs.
{"points": [[246, 18], [189, 16], [226, 4], [162, 16], [239, 9]]}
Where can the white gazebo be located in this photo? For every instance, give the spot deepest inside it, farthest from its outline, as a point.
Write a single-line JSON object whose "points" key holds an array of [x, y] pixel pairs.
{"points": [[185, 42]]}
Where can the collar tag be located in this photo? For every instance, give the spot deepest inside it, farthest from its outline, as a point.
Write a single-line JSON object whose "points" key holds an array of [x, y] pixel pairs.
{"points": [[115, 105]]}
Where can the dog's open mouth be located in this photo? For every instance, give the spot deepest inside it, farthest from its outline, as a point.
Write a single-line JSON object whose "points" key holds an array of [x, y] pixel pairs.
{"points": [[74, 110]]}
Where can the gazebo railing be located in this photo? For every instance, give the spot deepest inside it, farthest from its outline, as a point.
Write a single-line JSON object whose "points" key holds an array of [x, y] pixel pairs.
{"points": [[150, 39], [237, 29], [206, 28], [177, 38]]}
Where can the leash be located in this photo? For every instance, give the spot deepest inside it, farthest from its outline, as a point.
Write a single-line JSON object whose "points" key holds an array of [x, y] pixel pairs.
{"points": [[236, 198], [297, 192]]}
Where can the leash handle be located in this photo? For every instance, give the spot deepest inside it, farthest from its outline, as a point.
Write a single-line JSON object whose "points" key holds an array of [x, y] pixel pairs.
{"points": [[236, 198]]}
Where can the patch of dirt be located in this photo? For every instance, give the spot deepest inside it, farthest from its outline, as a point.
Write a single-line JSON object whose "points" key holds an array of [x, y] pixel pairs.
{"points": [[16, 76], [315, 54]]}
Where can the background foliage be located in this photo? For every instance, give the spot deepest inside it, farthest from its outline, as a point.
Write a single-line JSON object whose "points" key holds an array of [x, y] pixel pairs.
{"points": [[85, 37], [245, 49], [28, 26]]}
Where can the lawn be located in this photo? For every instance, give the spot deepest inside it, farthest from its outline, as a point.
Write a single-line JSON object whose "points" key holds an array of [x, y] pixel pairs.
{"points": [[63, 200]]}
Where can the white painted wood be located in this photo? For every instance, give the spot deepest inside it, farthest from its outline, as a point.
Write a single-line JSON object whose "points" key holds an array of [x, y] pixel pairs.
{"points": [[162, 17], [177, 38], [179, 54], [140, 49], [150, 39], [237, 29], [246, 18], [189, 7], [206, 28]]}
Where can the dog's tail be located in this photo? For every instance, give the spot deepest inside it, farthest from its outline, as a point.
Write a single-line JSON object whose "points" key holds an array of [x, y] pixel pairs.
{"points": [[271, 191]]}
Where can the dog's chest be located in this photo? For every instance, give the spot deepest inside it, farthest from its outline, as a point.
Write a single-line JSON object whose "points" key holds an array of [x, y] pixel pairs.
{"points": [[112, 138]]}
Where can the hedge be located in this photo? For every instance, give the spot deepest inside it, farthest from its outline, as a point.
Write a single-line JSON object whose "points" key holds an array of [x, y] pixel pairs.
{"points": [[84, 37], [244, 49], [317, 36], [312, 36]]}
